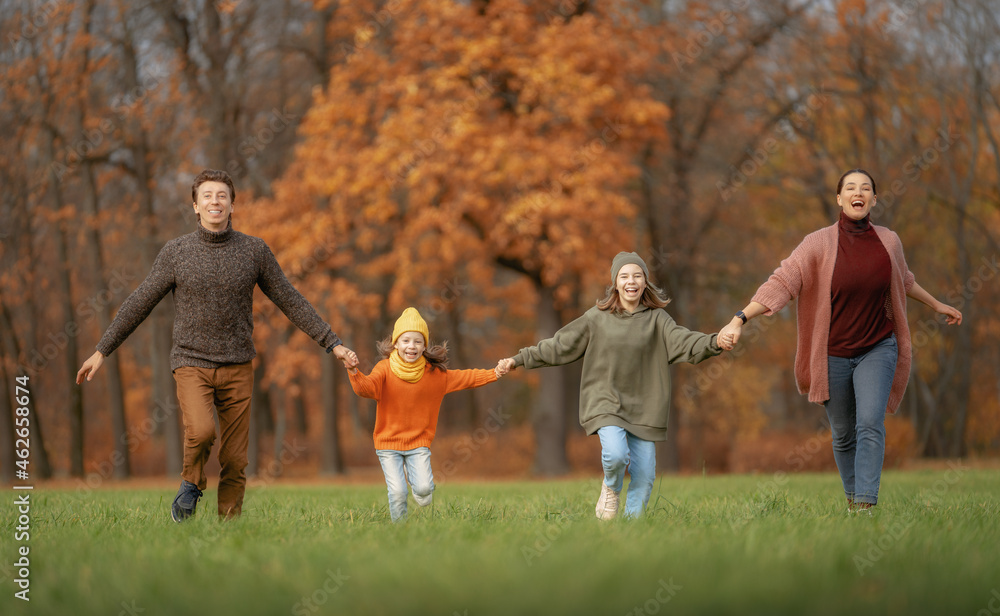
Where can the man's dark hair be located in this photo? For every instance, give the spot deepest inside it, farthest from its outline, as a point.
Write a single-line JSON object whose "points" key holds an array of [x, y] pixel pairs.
{"points": [[213, 175]]}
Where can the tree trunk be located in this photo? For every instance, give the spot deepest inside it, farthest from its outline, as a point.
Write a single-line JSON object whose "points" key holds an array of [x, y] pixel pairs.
{"points": [[164, 391], [116, 396], [364, 418], [74, 406], [164, 388], [957, 391], [332, 462], [668, 455], [7, 458], [957, 396], [39, 454], [71, 358], [204, 54], [947, 400], [466, 400], [279, 398], [926, 416], [548, 414], [260, 419], [301, 417]]}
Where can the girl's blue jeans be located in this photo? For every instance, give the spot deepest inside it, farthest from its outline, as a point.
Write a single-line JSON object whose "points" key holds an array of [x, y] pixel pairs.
{"points": [[401, 467], [621, 451], [859, 392]]}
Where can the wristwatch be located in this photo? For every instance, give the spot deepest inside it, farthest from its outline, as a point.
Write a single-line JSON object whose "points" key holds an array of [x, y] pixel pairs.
{"points": [[742, 316]]}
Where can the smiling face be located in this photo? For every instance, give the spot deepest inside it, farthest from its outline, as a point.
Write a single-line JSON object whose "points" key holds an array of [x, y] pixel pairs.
{"points": [[630, 283], [214, 204], [857, 196], [411, 346]]}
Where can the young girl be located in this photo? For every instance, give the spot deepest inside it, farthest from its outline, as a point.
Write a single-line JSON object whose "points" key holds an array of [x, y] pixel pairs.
{"points": [[409, 384], [626, 342]]}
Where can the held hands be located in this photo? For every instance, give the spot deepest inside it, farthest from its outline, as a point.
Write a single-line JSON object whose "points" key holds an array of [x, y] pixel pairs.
{"points": [[730, 335], [504, 366], [349, 357], [90, 367]]}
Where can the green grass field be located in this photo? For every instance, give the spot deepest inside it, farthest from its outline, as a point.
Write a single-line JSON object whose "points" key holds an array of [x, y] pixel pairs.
{"points": [[766, 544]]}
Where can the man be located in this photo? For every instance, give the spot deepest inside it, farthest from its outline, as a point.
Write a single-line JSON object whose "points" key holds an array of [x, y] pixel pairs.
{"points": [[212, 273]]}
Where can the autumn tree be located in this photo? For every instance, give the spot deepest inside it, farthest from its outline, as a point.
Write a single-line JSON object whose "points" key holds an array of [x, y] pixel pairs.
{"points": [[427, 156], [103, 136]]}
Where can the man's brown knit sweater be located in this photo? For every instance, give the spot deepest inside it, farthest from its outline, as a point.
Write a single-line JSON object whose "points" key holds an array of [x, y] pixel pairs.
{"points": [[212, 275]]}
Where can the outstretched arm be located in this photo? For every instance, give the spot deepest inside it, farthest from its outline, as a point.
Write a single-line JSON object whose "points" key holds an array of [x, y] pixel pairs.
{"points": [[133, 311], [952, 314], [781, 287], [731, 333], [457, 380], [300, 312], [685, 345], [565, 347]]}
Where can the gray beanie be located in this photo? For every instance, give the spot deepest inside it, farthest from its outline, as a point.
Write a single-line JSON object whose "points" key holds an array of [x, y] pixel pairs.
{"points": [[624, 258]]}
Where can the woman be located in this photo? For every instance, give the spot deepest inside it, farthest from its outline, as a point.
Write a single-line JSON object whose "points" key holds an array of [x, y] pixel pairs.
{"points": [[626, 342], [853, 352]]}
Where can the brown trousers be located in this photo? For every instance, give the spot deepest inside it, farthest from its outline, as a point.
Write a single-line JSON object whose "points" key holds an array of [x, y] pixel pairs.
{"points": [[228, 389]]}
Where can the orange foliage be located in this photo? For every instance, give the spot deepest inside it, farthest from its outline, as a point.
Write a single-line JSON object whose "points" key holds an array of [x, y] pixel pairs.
{"points": [[428, 157]]}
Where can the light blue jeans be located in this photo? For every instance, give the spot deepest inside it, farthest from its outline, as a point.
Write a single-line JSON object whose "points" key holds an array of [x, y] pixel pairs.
{"points": [[402, 467], [621, 451], [859, 392]]}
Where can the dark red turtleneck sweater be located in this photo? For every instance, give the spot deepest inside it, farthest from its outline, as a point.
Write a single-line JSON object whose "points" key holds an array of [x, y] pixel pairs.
{"points": [[859, 291]]}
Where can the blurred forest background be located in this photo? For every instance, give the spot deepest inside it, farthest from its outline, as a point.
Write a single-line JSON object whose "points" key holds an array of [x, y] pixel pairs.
{"points": [[484, 161]]}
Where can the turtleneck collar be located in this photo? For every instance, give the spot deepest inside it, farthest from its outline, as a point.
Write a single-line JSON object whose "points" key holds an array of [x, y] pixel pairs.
{"points": [[215, 237], [855, 227]]}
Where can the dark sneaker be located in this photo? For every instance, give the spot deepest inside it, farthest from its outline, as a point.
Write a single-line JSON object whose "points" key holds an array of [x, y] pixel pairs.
{"points": [[185, 502]]}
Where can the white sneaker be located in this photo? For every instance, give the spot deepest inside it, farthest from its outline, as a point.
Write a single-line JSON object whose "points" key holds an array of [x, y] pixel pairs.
{"points": [[607, 503]]}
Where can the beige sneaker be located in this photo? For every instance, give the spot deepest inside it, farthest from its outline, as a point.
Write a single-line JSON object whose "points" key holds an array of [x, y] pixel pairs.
{"points": [[862, 509], [607, 503]]}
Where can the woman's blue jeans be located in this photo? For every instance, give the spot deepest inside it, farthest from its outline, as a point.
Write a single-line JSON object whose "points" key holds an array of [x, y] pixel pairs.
{"points": [[621, 450], [859, 393]]}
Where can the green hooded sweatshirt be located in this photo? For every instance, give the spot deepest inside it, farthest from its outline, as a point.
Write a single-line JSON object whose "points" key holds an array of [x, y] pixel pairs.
{"points": [[625, 382]]}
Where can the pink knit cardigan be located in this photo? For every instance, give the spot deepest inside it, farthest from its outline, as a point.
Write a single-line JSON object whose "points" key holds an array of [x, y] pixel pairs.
{"points": [[807, 274]]}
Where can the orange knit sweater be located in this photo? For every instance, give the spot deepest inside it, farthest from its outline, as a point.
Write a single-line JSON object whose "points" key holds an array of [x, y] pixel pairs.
{"points": [[407, 413]]}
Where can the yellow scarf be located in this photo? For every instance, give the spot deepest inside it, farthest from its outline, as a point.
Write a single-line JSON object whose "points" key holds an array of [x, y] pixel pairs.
{"points": [[410, 373]]}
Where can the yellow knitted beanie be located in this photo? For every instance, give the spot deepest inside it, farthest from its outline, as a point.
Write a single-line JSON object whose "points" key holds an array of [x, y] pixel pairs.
{"points": [[410, 321]]}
